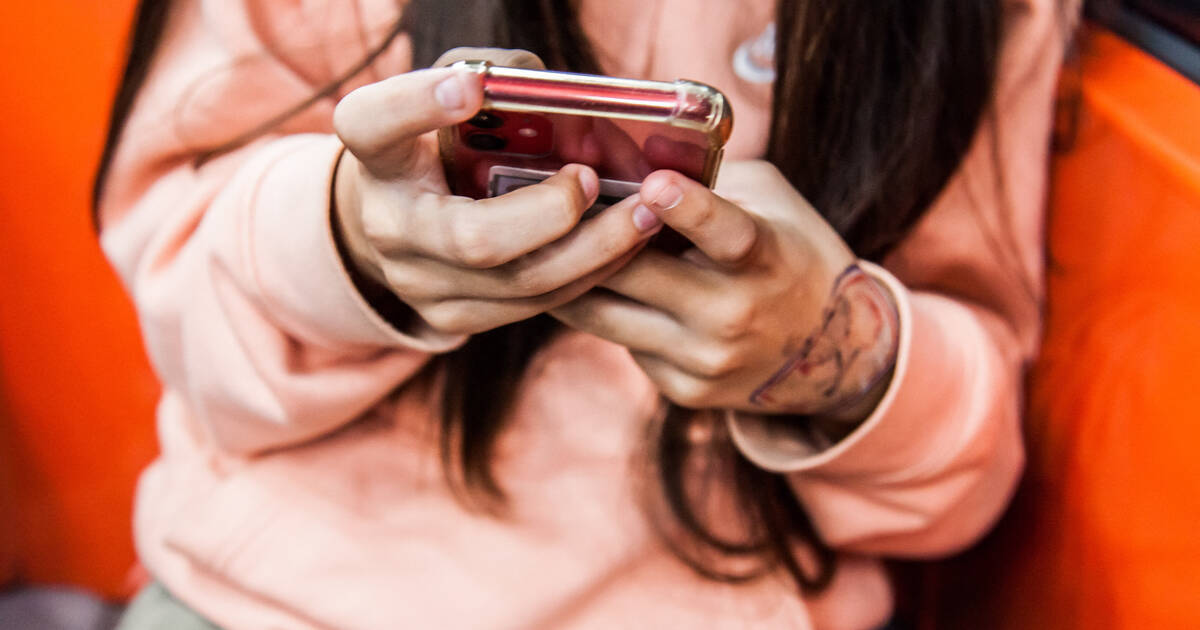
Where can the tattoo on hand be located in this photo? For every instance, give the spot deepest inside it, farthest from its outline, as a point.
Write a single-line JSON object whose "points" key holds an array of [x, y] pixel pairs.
{"points": [[850, 352]]}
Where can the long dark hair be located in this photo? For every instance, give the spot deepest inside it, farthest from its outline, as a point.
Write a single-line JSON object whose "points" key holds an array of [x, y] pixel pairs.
{"points": [[875, 105]]}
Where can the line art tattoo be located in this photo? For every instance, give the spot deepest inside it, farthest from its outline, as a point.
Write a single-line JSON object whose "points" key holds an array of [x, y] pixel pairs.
{"points": [[851, 351]]}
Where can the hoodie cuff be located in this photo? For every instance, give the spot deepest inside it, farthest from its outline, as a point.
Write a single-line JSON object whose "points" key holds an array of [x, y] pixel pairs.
{"points": [[791, 447], [295, 260]]}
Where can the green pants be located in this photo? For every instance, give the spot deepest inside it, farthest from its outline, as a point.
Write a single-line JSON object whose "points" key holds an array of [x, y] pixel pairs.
{"points": [[156, 609]]}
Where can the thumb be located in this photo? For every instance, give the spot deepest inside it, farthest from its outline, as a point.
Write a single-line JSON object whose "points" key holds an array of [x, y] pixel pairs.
{"points": [[381, 122]]}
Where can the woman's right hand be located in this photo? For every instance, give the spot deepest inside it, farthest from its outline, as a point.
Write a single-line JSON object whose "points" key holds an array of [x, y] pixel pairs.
{"points": [[464, 266]]}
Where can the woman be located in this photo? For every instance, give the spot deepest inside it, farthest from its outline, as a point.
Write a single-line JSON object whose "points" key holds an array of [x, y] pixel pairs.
{"points": [[385, 407]]}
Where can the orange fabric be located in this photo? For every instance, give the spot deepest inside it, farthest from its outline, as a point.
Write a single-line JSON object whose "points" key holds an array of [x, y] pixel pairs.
{"points": [[1103, 533], [76, 394]]}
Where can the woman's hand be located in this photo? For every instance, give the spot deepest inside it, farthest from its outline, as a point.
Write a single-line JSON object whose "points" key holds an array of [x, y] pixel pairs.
{"points": [[769, 313], [463, 266]]}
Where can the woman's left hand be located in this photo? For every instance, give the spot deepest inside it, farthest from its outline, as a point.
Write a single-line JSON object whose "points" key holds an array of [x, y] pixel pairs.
{"points": [[768, 313]]}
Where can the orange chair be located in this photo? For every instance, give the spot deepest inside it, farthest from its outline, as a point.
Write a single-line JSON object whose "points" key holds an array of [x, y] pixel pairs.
{"points": [[76, 394], [1103, 532]]}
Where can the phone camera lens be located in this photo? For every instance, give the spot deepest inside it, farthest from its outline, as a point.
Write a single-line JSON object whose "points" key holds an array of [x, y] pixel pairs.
{"points": [[487, 120], [486, 142]]}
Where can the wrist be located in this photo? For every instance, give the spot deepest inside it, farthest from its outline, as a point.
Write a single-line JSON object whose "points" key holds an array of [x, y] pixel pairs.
{"points": [[842, 369], [837, 423], [782, 440], [346, 217], [872, 371]]}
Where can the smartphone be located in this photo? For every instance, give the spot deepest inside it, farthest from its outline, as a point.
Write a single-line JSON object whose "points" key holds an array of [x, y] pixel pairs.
{"points": [[533, 122]]}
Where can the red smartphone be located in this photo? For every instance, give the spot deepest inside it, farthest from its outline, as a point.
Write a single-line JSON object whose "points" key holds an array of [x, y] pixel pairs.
{"points": [[533, 122]]}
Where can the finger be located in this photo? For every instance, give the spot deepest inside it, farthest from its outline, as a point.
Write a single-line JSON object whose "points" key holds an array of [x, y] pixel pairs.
{"points": [[491, 232], [680, 386], [594, 244], [667, 283], [469, 316], [721, 230], [609, 235], [624, 322], [650, 332], [381, 122]]}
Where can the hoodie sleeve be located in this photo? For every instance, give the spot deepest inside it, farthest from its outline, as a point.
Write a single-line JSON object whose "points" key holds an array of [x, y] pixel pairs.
{"points": [[246, 309]]}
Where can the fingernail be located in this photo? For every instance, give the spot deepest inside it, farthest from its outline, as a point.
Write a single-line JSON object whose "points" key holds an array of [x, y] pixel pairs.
{"points": [[450, 93], [644, 219], [667, 198]]}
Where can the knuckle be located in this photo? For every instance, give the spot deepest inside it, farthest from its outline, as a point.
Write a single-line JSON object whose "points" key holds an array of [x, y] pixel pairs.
{"points": [[529, 281], [717, 362], [614, 242], [741, 243], [346, 116], [568, 193], [353, 126], [378, 227], [764, 168], [750, 177], [366, 145], [762, 172], [689, 392], [416, 291], [408, 285], [472, 244], [735, 319], [562, 206], [450, 318], [703, 215]]}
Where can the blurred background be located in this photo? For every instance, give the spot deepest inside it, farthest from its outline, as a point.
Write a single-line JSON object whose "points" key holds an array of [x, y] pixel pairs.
{"points": [[76, 393], [1101, 535]]}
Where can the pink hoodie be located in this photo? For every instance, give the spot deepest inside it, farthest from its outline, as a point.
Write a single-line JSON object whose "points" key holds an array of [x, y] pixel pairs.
{"points": [[299, 485]]}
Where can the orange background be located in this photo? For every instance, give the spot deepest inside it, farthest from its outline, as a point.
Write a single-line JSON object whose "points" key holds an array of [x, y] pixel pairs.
{"points": [[1103, 533], [76, 394]]}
